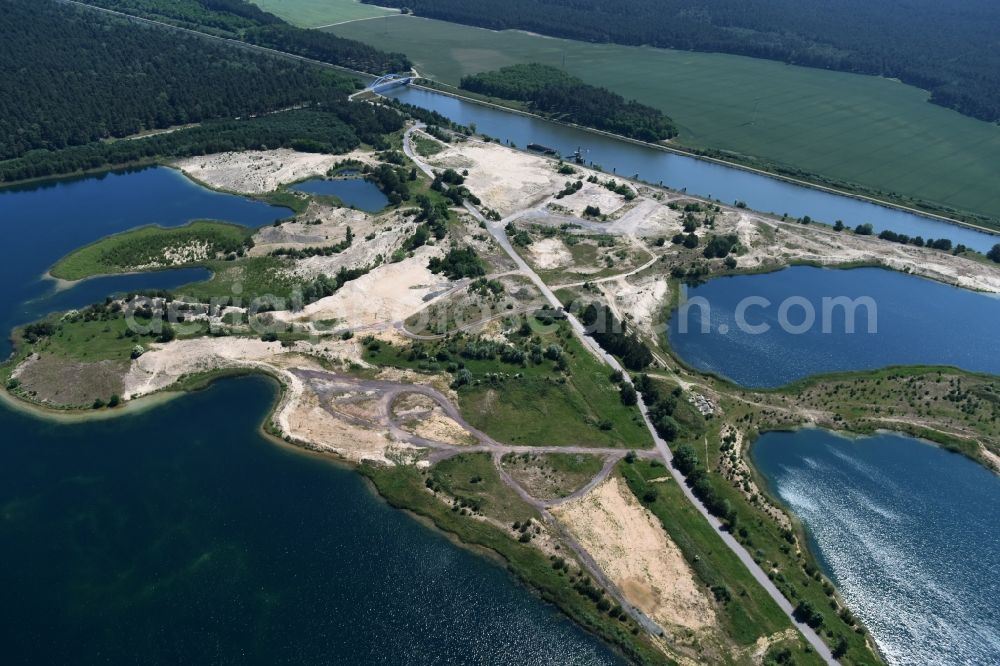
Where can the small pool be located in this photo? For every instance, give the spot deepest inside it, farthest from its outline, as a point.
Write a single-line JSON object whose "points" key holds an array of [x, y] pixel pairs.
{"points": [[353, 192]]}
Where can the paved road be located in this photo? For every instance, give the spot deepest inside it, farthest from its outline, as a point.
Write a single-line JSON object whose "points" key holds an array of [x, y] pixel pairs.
{"points": [[499, 232]]}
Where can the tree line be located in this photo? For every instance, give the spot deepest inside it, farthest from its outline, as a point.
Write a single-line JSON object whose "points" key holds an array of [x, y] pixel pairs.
{"points": [[245, 21], [333, 130], [949, 50], [553, 92]]}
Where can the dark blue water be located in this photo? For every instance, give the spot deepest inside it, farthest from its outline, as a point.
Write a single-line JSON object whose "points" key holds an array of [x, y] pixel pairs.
{"points": [[910, 534], [700, 177], [41, 224], [353, 192], [181, 536], [917, 321]]}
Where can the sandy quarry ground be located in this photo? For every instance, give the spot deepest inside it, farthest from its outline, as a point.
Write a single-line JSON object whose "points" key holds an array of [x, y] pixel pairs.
{"points": [[822, 245], [629, 544], [256, 171], [550, 253], [591, 194], [506, 180], [639, 300], [388, 294], [164, 364]]}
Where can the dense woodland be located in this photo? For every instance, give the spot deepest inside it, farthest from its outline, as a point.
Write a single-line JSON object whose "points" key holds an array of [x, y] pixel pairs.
{"points": [[335, 130], [239, 19], [949, 48], [73, 79], [553, 92]]}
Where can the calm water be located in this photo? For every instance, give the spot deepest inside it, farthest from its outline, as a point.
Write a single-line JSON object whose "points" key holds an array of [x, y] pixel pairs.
{"points": [[686, 173], [917, 321], [353, 192], [910, 534], [180, 535], [41, 224]]}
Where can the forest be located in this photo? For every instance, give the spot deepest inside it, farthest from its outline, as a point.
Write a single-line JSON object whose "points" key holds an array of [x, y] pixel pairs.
{"points": [[946, 48], [553, 92], [242, 20], [72, 77], [337, 130]]}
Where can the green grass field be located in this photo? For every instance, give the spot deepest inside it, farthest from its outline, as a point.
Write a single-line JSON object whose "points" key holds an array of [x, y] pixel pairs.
{"points": [[138, 248], [313, 13], [538, 406], [874, 132]]}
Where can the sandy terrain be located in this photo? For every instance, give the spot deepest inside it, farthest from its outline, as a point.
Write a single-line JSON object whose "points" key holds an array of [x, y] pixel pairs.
{"points": [[306, 419], [550, 253], [257, 171], [630, 545], [163, 365], [642, 300], [506, 180], [390, 293], [991, 458], [774, 244], [591, 194]]}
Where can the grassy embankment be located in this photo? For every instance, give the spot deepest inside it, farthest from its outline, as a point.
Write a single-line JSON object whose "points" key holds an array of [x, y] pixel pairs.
{"points": [[747, 611], [879, 135], [781, 553], [474, 512], [532, 403]]}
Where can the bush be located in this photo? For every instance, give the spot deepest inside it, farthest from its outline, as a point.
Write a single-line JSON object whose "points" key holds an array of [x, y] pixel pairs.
{"points": [[458, 263], [628, 395]]}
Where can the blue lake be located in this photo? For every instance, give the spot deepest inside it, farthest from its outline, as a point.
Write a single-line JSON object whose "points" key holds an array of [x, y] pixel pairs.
{"points": [[917, 321], [680, 172], [909, 533], [353, 192], [181, 536], [43, 223]]}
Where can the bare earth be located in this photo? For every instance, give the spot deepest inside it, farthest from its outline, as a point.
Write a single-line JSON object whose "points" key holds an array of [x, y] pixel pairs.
{"points": [[260, 171], [630, 545]]}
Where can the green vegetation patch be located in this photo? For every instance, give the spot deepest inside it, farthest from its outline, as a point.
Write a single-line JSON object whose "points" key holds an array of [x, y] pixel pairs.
{"points": [[316, 13], [473, 481], [540, 388], [426, 147], [552, 475], [155, 247], [553, 92]]}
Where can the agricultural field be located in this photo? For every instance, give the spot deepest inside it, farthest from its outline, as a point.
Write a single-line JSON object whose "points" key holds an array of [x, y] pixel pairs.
{"points": [[315, 13], [875, 132]]}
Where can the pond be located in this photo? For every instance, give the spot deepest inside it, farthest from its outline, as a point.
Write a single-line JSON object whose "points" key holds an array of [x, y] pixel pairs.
{"points": [[909, 533], [353, 192], [755, 329]]}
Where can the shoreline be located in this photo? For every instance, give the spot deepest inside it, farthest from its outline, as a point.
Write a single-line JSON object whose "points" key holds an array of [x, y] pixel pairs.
{"points": [[937, 217], [298, 448]]}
